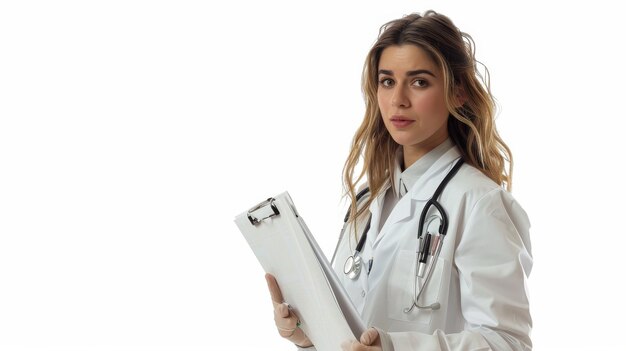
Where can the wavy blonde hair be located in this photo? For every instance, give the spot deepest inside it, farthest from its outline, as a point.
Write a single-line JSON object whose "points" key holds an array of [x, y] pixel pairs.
{"points": [[470, 126]]}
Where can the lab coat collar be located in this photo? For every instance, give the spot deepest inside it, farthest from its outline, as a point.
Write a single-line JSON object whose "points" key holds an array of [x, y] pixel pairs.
{"points": [[421, 191], [408, 177]]}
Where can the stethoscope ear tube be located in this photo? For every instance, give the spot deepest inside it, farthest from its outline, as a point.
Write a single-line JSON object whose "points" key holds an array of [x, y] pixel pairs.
{"points": [[443, 226], [433, 201]]}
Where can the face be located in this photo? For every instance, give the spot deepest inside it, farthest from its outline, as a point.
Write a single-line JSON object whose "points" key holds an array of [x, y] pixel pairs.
{"points": [[411, 98]]}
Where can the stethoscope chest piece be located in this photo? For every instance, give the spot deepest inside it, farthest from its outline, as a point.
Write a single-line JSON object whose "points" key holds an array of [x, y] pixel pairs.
{"points": [[352, 267]]}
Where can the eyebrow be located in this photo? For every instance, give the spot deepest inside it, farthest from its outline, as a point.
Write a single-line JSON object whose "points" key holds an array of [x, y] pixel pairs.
{"points": [[408, 74]]}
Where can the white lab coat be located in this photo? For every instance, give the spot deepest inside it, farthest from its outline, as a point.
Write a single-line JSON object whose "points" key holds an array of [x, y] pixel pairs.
{"points": [[480, 278]]}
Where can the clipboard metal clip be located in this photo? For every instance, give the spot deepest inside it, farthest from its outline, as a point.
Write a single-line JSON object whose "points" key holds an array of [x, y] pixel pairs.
{"points": [[260, 212]]}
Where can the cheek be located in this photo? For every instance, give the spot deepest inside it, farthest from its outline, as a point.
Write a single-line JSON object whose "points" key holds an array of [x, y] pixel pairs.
{"points": [[383, 102], [432, 105]]}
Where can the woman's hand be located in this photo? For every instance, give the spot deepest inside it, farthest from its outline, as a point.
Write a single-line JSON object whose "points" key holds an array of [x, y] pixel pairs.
{"points": [[285, 319], [369, 341]]}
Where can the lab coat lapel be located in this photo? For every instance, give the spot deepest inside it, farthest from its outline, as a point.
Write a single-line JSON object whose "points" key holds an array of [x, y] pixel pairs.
{"points": [[421, 191], [402, 211]]}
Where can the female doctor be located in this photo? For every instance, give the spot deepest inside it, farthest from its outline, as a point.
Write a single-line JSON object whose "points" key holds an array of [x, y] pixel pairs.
{"points": [[436, 185]]}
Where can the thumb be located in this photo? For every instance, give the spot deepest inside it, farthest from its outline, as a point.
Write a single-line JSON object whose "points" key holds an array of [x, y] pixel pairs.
{"points": [[283, 310], [369, 336]]}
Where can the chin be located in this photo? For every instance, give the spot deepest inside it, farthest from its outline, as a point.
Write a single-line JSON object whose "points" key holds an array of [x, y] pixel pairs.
{"points": [[403, 141]]}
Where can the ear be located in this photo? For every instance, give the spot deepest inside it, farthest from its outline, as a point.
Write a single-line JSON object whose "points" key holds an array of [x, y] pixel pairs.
{"points": [[460, 97]]}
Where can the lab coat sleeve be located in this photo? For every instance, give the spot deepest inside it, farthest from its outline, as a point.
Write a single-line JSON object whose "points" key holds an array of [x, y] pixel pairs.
{"points": [[493, 260]]}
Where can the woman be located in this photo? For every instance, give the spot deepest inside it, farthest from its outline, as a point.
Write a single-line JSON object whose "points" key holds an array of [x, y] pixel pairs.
{"points": [[429, 121]]}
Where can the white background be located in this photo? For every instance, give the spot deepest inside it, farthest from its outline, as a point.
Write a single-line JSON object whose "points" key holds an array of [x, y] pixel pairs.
{"points": [[132, 133]]}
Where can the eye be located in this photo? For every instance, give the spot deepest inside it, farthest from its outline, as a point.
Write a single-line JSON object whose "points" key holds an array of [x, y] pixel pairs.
{"points": [[420, 83], [386, 82]]}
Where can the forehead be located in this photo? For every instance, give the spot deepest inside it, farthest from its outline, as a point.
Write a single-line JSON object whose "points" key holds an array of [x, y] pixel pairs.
{"points": [[406, 57]]}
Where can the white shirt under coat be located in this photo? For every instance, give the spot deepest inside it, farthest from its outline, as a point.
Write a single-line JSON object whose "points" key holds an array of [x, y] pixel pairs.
{"points": [[480, 278]]}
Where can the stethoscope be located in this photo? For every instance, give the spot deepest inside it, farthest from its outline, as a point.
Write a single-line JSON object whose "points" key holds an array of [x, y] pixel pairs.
{"points": [[428, 245], [354, 262]]}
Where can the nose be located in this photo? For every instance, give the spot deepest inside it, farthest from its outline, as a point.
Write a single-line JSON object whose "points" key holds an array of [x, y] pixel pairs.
{"points": [[400, 98]]}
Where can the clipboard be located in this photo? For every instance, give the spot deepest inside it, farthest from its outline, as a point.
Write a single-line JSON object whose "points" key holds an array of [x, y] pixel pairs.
{"points": [[285, 248]]}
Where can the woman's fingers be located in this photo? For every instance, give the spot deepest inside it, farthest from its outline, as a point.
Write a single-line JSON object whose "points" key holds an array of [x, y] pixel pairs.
{"points": [[286, 321], [282, 315], [272, 284], [282, 310], [369, 337], [369, 341]]}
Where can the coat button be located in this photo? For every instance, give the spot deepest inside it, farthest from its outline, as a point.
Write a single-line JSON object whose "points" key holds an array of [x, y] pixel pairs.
{"points": [[362, 293]]}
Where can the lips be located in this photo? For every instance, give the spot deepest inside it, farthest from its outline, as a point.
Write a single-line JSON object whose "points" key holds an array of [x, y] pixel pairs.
{"points": [[400, 121]]}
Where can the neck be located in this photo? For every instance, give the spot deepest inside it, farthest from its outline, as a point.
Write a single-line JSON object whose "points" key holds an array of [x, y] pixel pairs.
{"points": [[412, 153]]}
